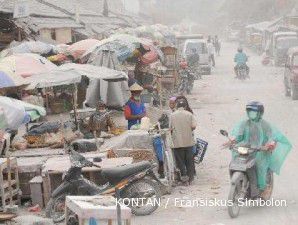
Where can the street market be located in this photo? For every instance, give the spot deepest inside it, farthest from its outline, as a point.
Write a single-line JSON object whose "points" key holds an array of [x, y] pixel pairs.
{"points": [[119, 112]]}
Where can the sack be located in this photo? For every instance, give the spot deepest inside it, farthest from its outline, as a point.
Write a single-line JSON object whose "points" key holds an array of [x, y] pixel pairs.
{"points": [[47, 127], [84, 146]]}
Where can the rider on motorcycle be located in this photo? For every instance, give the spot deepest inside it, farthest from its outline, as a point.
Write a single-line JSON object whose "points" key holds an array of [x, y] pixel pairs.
{"points": [[240, 59], [256, 133], [187, 78], [193, 61]]}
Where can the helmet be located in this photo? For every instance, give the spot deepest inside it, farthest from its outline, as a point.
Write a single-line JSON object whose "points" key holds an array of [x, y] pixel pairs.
{"points": [[240, 49], [183, 64], [255, 106]]}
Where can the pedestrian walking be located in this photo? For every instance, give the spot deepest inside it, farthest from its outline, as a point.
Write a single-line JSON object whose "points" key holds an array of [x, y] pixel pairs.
{"points": [[211, 52], [217, 45], [182, 125]]}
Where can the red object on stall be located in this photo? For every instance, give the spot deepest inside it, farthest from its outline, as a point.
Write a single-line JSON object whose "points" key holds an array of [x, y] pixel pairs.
{"points": [[149, 57]]}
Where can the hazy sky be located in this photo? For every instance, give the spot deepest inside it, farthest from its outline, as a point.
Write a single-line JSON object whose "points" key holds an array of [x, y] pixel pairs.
{"points": [[131, 5]]}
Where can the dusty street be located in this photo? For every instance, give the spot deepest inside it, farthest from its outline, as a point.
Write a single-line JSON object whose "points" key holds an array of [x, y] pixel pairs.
{"points": [[219, 102]]}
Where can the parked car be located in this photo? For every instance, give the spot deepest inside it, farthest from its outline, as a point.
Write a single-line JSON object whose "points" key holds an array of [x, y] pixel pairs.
{"points": [[282, 45], [291, 74], [201, 47]]}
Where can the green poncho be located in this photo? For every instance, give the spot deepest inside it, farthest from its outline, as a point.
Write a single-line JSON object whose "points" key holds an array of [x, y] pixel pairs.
{"points": [[257, 134]]}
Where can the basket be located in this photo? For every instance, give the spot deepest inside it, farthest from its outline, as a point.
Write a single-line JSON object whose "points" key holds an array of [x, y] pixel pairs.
{"points": [[135, 154], [33, 139], [57, 107]]}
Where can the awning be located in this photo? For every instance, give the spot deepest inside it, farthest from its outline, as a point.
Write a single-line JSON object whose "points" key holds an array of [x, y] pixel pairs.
{"points": [[96, 72], [54, 78]]}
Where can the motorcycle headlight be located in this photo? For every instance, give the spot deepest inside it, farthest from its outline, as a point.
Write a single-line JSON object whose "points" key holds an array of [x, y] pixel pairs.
{"points": [[243, 150]]}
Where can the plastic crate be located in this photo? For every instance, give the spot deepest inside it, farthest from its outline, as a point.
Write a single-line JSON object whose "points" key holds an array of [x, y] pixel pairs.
{"points": [[200, 149]]}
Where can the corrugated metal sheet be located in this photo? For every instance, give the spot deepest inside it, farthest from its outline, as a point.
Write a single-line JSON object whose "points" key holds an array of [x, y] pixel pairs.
{"points": [[35, 7], [61, 13], [37, 23]]}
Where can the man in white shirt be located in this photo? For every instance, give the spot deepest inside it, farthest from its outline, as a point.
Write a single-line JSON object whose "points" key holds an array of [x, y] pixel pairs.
{"points": [[182, 125], [211, 52]]}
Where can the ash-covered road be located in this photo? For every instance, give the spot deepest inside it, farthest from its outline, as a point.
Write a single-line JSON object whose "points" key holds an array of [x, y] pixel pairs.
{"points": [[219, 102]]}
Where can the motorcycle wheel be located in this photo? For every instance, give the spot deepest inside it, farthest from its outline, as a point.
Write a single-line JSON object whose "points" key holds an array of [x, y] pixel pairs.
{"points": [[234, 196], [169, 168], [269, 181], [55, 208], [142, 189]]}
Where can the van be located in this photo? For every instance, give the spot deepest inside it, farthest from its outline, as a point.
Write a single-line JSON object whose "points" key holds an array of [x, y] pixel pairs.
{"points": [[201, 47], [282, 45]]}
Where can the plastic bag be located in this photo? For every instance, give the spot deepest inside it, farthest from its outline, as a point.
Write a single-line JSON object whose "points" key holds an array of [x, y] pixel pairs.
{"points": [[257, 134]]}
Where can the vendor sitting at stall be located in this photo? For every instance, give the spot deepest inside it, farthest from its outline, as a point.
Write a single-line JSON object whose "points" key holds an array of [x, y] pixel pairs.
{"points": [[134, 109], [100, 120]]}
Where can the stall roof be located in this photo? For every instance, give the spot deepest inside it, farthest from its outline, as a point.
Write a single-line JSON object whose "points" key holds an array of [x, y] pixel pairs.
{"points": [[96, 72], [54, 78], [37, 23], [37, 8], [260, 26]]}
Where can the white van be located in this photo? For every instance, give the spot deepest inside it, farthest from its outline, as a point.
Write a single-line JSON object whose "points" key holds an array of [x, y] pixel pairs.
{"points": [[201, 47]]}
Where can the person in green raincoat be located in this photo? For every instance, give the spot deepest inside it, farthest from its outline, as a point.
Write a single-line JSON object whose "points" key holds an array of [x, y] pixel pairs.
{"points": [[256, 133]]}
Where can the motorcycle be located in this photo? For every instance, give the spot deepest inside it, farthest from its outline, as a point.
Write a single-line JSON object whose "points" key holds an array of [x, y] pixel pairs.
{"points": [[242, 72], [186, 83], [244, 177], [136, 181], [196, 71]]}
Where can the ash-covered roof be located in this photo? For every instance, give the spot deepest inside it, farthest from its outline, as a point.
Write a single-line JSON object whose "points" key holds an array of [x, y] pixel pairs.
{"points": [[36, 8], [62, 13]]}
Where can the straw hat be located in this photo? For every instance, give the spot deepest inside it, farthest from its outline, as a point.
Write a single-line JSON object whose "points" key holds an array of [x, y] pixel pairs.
{"points": [[136, 87]]}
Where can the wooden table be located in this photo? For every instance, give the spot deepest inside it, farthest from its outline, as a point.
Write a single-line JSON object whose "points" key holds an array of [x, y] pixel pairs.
{"points": [[86, 207]]}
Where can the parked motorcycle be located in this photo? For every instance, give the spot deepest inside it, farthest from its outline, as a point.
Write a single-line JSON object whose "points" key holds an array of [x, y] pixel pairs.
{"points": [[136, 181], [244, 177]]}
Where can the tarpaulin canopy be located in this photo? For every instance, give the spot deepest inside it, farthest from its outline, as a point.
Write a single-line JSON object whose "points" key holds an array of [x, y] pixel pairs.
{"points": [[123, 45], [25, 65], [54, 78], [36, 47], [96, 72], [79, 48], [10, 80], [16, 113], [3, 119], [114, 94]]}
